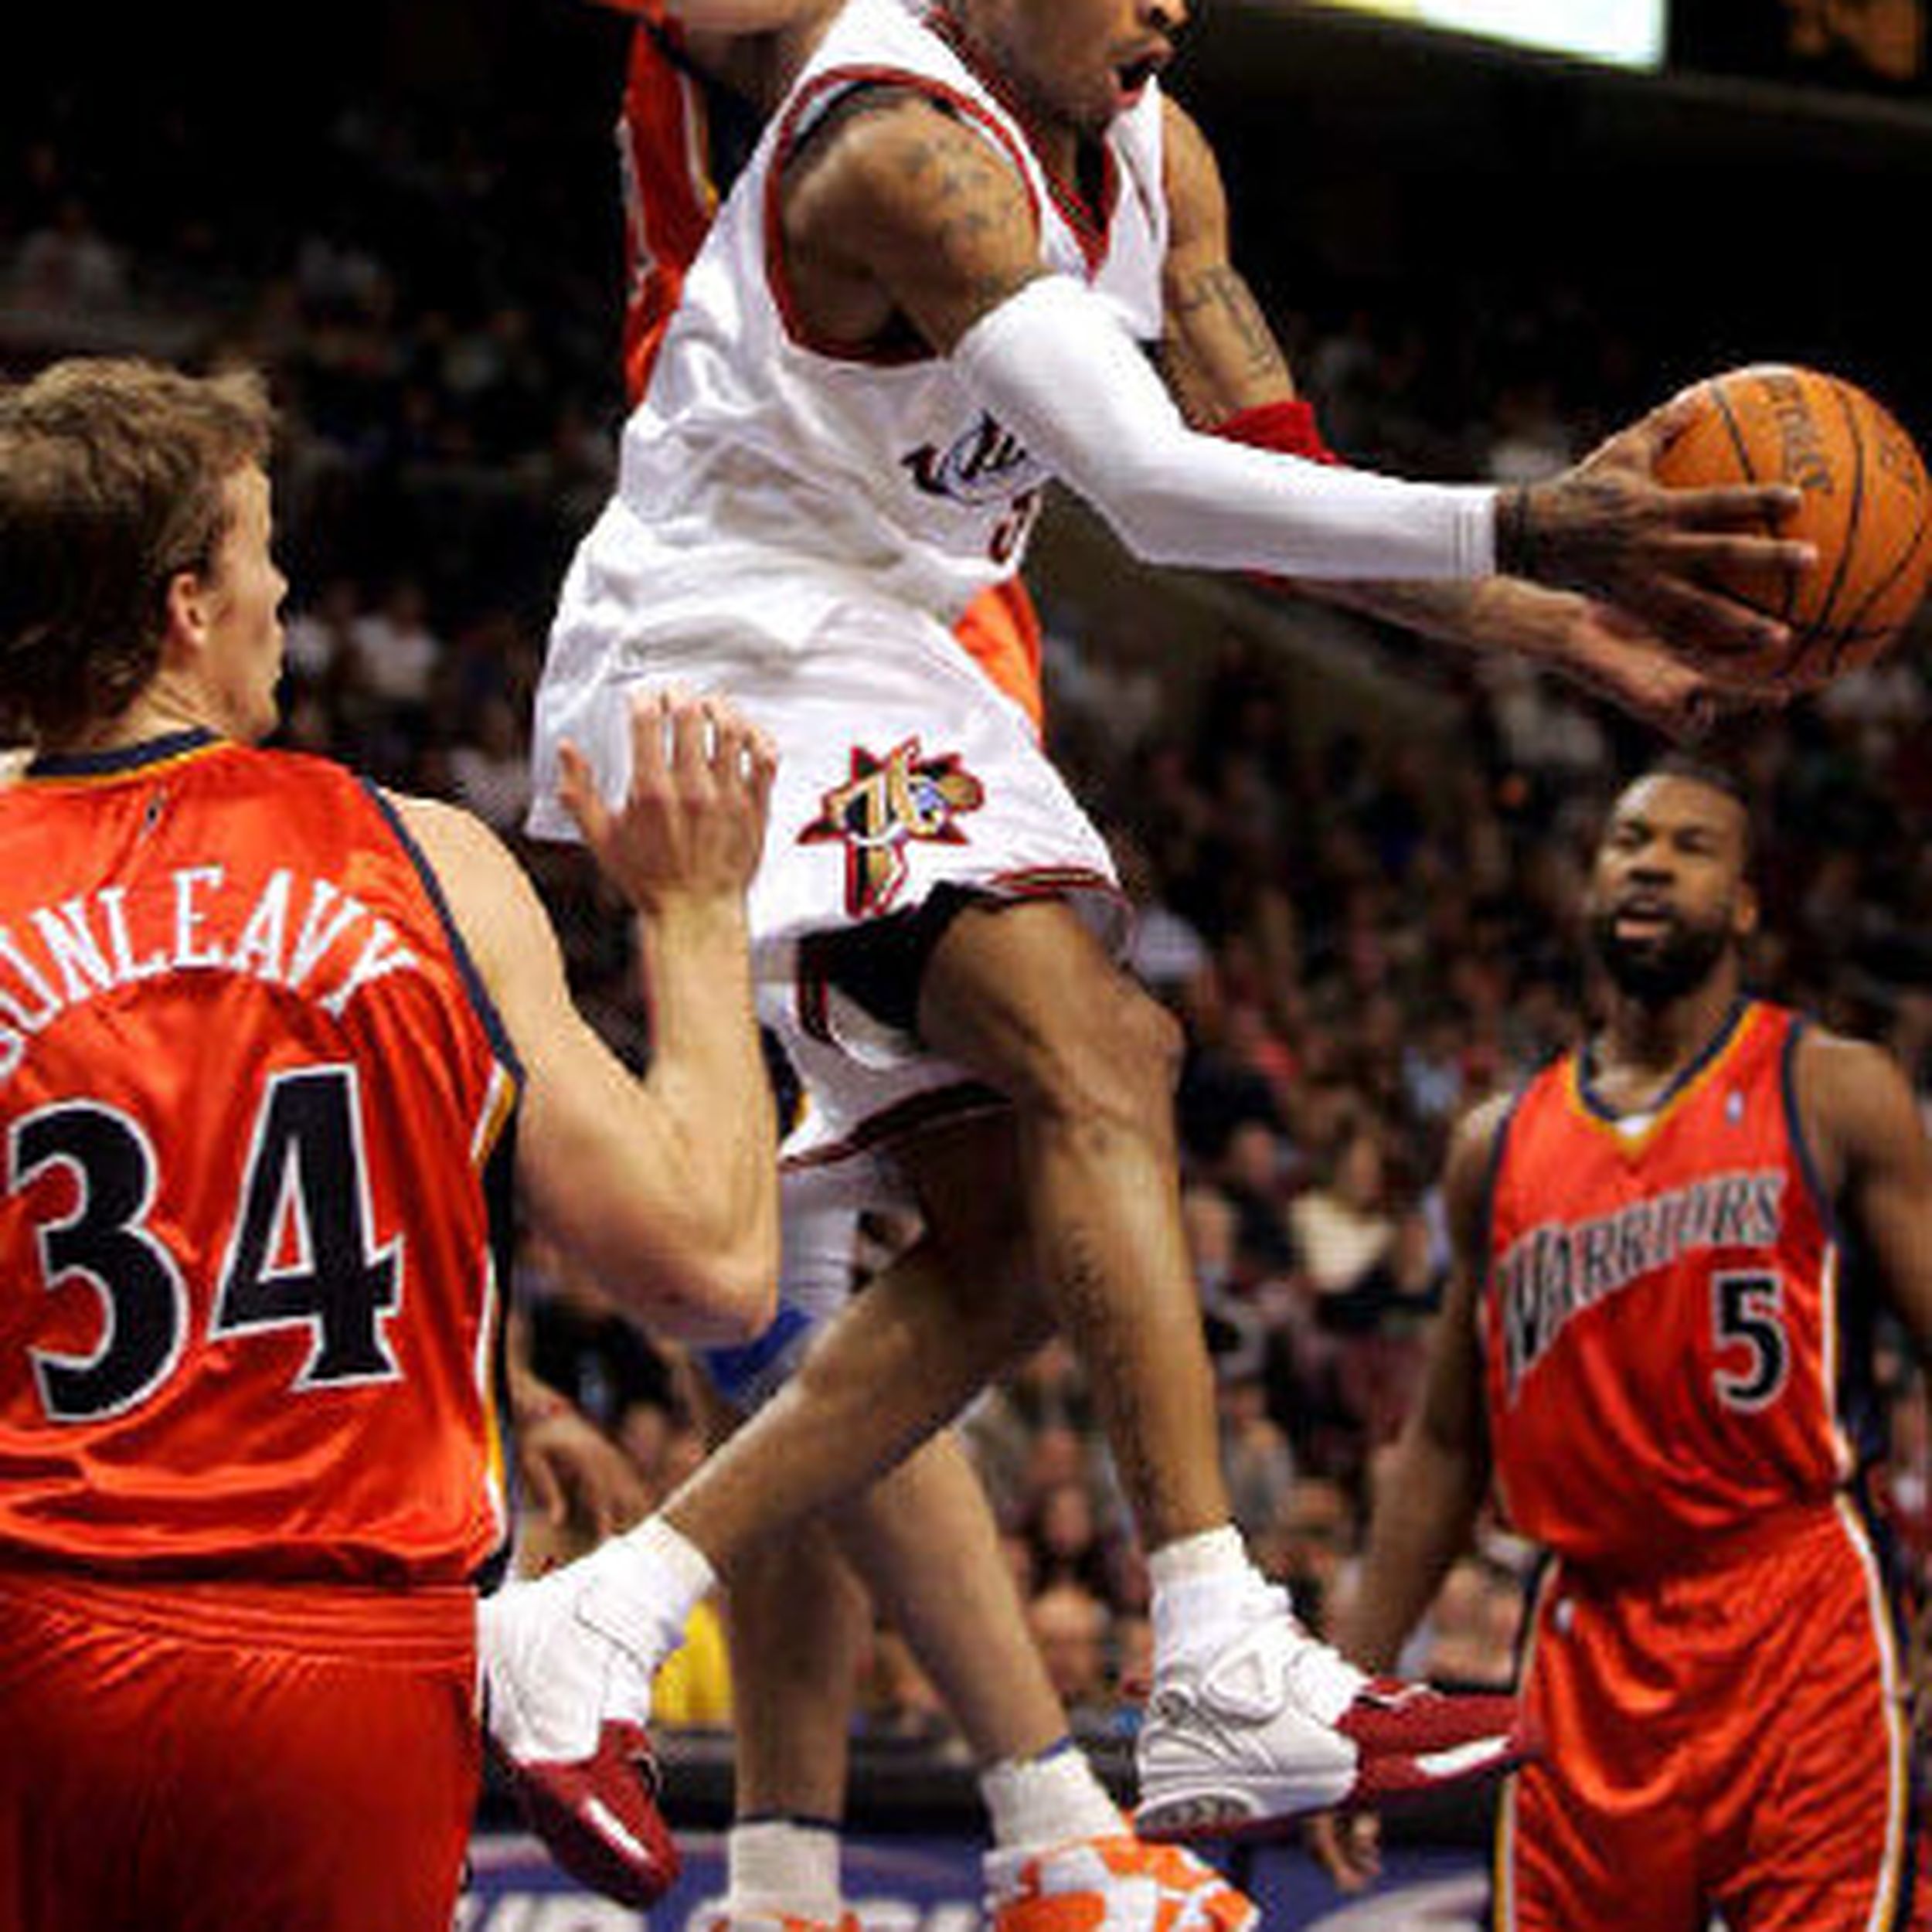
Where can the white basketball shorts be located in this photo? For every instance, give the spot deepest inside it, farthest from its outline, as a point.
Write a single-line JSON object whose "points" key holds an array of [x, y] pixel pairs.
{"points": [[902, 768]]}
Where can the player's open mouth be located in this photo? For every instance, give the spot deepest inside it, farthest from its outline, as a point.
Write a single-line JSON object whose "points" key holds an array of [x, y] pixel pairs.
{"points": [[1642, 918], [1134, 75]]}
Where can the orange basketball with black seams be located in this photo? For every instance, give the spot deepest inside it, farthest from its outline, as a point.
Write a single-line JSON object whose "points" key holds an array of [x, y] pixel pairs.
{"points": [[1866, 505]]}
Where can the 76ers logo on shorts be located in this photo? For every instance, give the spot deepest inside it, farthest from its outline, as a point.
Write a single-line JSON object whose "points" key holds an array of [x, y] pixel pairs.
{"points": [[885, 805]]}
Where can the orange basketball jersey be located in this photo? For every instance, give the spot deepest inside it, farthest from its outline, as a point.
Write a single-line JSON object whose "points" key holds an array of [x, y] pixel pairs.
{"points": [[670, 193], [253, 1162], [1661, 1320]]}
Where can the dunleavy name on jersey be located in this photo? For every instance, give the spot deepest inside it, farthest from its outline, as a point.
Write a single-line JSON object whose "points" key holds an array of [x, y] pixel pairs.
{"points": [[305, 933]]}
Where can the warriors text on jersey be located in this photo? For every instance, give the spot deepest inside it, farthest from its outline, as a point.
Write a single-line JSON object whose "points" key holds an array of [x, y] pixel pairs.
{"points": [[1661, 1318], [253, 1115]]}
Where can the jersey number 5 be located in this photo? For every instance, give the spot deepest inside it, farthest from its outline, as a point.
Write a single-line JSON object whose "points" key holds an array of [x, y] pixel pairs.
{"points": [[301, 1253], [1747, 1319]]}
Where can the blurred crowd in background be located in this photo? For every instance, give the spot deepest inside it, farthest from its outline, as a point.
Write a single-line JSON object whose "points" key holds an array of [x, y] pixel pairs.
{"points": [[1363, 932]]}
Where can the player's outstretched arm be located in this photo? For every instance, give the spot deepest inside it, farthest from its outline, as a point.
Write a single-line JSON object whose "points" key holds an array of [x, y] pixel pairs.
{"points": [[1222, 362], [665, 1187]]}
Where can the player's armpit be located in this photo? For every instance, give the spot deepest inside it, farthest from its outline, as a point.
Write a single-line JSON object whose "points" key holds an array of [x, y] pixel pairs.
{"points": [[896, 206], [1868, 1141]]}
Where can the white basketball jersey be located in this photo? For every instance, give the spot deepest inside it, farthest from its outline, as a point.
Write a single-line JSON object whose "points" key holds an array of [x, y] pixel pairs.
{"points": [[751, 441]]}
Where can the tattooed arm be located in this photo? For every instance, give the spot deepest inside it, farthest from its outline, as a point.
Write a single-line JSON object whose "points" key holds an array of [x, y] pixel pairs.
{"points": [[894, 214], [898, 220], [1220, 356]]}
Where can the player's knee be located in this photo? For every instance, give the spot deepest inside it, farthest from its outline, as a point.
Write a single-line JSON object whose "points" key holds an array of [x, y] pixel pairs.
{"points": [[1154, 1038], [1113, 1064]]}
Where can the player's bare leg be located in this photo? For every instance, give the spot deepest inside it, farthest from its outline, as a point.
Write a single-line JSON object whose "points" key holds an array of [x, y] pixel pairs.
{"points": [[925, 1538], [1024, 997], [945, 1318], [1252, 1722]]}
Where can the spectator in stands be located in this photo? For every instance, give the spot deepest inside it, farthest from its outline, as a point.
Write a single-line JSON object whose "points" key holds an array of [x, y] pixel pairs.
{"points": [[1072, 1628]]}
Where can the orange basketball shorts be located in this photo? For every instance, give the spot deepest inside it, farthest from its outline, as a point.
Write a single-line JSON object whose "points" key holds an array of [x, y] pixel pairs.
{"points": [[1731, 1740], [206, 1757]]}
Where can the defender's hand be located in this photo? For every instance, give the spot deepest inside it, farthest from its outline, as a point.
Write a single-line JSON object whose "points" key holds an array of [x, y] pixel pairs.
{"points": [[692, 824]]}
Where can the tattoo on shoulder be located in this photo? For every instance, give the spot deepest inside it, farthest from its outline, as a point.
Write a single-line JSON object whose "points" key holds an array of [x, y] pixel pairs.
{"points": [[964, 195]]}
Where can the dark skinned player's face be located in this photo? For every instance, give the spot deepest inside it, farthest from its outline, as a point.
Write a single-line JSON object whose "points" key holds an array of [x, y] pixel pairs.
{"points": [[1077, 62], [1668, 897]]}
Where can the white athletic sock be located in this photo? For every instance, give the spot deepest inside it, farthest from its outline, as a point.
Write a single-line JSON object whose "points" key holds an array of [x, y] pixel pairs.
{"points": [[781, 1866], [1035, 1802], [649, 1581], [1204, 1591]]}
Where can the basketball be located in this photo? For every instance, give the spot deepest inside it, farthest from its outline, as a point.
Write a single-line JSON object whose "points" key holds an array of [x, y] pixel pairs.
{"points": [[1867, 506]]}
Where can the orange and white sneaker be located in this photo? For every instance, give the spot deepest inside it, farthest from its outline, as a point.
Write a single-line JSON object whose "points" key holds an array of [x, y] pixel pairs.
{"points": [[725, 1919], [1275, 1725], [1116, 1884]]}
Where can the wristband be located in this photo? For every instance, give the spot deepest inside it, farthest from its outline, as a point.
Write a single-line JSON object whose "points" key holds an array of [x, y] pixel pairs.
{"points": [[1288, 428]]}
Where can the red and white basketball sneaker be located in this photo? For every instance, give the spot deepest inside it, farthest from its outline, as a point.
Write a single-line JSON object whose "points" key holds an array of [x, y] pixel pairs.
{"points": [[1118, 1884], [567, 1692], [1275, 1725]]}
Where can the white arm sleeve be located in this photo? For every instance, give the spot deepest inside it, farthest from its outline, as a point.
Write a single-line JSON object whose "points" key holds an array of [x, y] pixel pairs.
{"points": [[1053, 365]]}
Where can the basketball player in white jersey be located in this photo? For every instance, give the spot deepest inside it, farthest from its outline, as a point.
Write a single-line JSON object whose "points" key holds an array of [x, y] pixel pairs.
{"points": [[923, 1539], [926, 295]]}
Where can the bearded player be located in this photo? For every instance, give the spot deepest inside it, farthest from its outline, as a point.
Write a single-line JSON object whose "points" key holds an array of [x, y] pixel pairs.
{"points": [[1672, 1248]]}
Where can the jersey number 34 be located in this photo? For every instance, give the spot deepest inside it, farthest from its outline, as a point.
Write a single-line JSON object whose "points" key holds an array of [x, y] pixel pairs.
{"points": [[301, 1252]]}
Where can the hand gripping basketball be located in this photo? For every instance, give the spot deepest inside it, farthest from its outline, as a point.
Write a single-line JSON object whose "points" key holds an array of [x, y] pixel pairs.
{"points": [[1609, 529], [1864, 505]]}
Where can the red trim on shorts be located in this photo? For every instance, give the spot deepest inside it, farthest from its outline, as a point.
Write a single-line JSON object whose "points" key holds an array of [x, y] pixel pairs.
{"points": [[1050, 882], [959, 1100], [776, 278], [1067, 881]]}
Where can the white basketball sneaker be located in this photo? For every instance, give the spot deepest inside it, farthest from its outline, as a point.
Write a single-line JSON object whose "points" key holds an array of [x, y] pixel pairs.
{"points": [[567, 1692], [1275, 1725]]}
